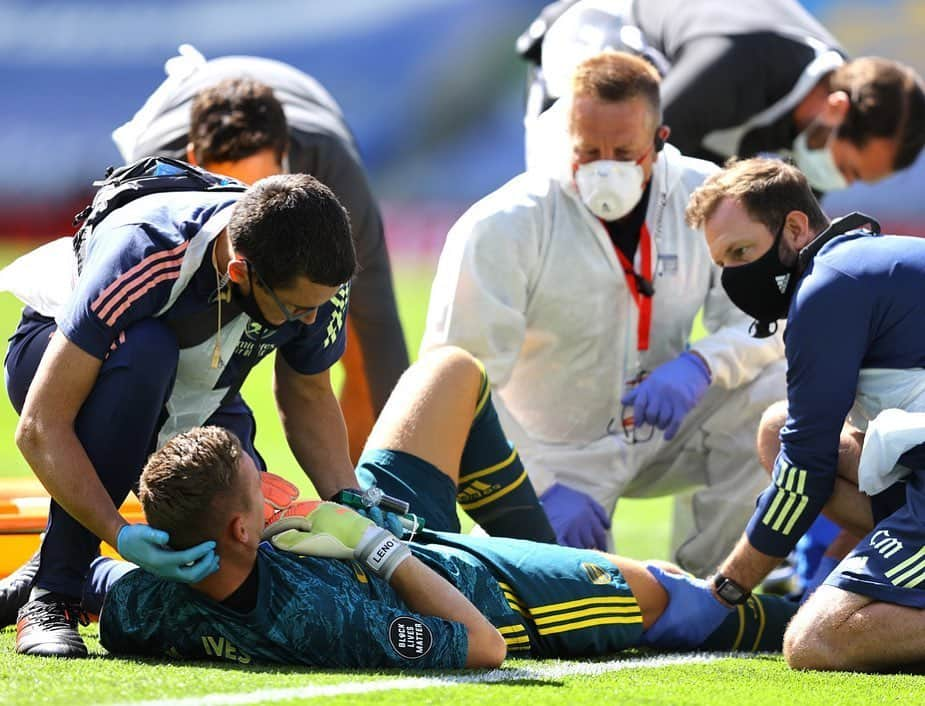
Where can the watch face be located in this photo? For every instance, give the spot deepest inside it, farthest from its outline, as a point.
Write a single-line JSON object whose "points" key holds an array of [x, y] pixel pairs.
{"points": [[731, 592]]}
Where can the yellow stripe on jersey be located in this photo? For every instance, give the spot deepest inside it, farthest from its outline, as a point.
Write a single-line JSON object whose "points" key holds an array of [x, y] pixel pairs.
{"points": [[512, 599], [769, 515], [598, 600], [741, 633], [762, 620], [519, 645], [508, 629], [576, 615], [484, 390], [804, 501], [515, 602], [488, 471], [358, 572], [624, 611], [494, 496], [589, 624], [790, 500], [511, 596], [901, 574], [521, 639], [515, 636], [915, 582], [784, 511]]}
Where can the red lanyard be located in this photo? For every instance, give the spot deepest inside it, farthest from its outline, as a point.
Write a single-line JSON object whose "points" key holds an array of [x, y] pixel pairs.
{"points": [[644, 303]]}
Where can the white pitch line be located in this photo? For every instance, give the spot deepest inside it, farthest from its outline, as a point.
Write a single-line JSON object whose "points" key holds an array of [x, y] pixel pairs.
{"points": [[555, 671]]}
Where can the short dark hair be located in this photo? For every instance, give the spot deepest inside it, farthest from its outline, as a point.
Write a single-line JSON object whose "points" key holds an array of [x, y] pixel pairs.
{"points": [[190, 484], [292, 225], [769, 189], [235, 119], [618, 76], [887, 101]]}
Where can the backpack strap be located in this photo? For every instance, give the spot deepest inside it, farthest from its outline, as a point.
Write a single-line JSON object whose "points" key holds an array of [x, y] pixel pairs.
{"points": [[151, 175]]}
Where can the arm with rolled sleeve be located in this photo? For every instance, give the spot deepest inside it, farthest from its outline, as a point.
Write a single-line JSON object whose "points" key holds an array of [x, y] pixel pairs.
{"points": [[333, 531], [437, 629], [419, 621], [734, 357], [428, 593]]}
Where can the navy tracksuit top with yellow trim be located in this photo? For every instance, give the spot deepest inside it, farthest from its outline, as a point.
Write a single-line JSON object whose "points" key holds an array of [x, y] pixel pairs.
{"points": [[860, 305]]}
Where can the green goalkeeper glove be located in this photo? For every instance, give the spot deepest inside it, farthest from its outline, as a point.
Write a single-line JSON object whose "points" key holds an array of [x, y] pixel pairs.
{"points": [[331, 530]]}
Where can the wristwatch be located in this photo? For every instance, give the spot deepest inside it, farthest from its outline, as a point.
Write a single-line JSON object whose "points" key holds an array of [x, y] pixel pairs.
{"points": [[729, 590]]}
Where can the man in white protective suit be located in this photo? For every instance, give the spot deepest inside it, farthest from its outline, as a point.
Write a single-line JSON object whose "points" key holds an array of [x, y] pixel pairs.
{"points": [[577, 286]]}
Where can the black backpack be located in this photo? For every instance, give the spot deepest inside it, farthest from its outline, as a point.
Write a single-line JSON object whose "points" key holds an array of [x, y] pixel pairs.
{"points": [[150, 175]]}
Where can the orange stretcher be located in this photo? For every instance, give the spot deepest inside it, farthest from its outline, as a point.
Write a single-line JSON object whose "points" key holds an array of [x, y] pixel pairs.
{"points": [[23, 514]]}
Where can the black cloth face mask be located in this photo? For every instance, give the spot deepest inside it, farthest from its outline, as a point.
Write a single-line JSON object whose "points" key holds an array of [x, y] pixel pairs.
{"points": [[249, 305], [763, 288]]}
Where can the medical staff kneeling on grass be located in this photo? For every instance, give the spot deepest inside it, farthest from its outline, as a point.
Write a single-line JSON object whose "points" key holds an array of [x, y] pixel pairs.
{"points": [[180, 294], [855, 343], [332, 589], [578, 288]]}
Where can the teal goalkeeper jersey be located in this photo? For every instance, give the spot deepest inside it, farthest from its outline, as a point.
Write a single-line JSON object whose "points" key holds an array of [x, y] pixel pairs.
{"points": [[330, 613]]}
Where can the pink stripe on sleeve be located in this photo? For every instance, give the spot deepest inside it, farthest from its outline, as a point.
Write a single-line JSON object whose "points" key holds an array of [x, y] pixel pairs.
{"points": [[126, 279], [114, 316], [126, 290]]}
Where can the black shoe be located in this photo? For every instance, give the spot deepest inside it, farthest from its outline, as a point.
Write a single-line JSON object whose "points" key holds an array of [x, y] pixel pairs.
{"points": [[47, 627], [14, 590]]}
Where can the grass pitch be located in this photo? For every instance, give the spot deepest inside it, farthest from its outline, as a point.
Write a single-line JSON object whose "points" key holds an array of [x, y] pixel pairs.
{"points": [[633, 678], [641, 531]]}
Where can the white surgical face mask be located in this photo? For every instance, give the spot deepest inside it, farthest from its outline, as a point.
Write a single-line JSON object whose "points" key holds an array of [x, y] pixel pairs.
{"points": [[818, 165], [608, 188]]}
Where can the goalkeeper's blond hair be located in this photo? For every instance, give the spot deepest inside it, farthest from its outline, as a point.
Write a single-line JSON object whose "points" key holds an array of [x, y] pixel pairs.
{"points": [[189, 482]]}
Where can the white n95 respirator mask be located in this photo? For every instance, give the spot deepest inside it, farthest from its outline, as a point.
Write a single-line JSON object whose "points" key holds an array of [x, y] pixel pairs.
{"points": [[818, 165], [610, 189]]}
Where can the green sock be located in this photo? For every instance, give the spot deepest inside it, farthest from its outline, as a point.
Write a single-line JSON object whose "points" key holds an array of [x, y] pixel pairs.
{"points": [[494, 488], [756, 626]]}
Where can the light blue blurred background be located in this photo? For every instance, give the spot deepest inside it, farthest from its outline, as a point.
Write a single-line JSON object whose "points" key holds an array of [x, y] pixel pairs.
{"points": [[433, 90]]}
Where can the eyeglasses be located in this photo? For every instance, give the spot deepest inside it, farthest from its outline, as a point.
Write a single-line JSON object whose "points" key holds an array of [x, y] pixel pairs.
{"points": [[632, 433], [289, 314]]}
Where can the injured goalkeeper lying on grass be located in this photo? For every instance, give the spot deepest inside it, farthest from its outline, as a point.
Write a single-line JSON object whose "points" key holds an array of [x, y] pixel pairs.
{"points": [[322, 585], [332, 589]]}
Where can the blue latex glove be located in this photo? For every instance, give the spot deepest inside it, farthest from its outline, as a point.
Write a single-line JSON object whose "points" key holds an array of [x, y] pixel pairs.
{"points": [[692, 615], [386, 520], [669, 392], [578, 520], [148, 548]]}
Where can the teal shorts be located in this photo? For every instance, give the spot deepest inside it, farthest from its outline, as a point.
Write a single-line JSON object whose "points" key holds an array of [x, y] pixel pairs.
{"points": [[568, 602], [428, 492]]}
